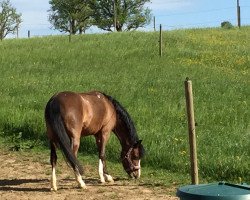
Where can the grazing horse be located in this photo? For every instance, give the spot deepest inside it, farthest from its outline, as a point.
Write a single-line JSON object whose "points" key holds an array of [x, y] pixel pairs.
{"points": [[70, 115]]}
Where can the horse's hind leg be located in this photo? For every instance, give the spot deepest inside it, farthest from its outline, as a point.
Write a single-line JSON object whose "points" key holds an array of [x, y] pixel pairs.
{"points": [[53, 160], [75, 143], [101, 141]]}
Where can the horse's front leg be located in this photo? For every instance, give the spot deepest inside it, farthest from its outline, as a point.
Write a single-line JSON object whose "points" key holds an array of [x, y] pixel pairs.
{"points": [[101, 141], [103, 173]]}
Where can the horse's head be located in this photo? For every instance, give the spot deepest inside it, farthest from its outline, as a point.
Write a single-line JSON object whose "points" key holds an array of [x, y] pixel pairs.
{"points": [[131, 159]]}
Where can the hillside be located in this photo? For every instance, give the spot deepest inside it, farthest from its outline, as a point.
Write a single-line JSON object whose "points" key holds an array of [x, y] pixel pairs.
{"points": [[127, 66]]}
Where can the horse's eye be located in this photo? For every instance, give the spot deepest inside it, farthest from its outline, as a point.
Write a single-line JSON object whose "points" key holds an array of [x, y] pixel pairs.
{"points": [[135, 157]]}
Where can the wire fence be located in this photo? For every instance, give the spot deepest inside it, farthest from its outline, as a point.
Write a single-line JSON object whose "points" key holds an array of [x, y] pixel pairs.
{"points": [[173, 20], [184, 19]]}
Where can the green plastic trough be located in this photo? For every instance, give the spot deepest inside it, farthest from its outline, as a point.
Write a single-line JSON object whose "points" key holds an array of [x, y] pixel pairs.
{"points": [[214, 191]]}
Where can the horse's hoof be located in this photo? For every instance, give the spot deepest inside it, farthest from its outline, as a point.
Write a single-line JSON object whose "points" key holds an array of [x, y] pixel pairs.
{"points": [[84, 187], [102, 181], [53, 189], [111, 181], [109, 178]]}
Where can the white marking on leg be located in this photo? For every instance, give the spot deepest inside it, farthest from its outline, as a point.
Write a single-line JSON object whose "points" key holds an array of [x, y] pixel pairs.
{"points": [[80, 181], [100, 170], [104, 177], [109, 178], [53, 179], [139, 170]]}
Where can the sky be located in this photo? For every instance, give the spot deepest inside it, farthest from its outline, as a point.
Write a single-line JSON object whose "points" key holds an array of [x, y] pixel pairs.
{"points": [[172, 14]]}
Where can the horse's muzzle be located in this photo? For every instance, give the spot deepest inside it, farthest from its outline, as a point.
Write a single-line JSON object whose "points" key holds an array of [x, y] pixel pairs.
{"points": [[136, 173]]}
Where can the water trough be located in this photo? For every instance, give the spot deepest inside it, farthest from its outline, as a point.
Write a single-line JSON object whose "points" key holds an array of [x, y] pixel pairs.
{"points": [[214, 191]]}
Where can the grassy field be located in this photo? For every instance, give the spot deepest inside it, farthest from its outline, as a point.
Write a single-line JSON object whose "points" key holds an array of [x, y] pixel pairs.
{"points": [[127, 67]]}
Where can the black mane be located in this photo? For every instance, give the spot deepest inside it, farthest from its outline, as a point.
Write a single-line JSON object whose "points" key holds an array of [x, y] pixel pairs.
{"points": [[125, 117]]}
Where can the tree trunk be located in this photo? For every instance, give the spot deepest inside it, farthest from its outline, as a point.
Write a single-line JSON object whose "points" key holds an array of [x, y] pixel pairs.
{"points": [[73, 27], [118, 27], [1, 36]]}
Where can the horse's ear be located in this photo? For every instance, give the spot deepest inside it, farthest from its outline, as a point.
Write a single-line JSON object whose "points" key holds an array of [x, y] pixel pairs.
{"points": [[137, 143]]}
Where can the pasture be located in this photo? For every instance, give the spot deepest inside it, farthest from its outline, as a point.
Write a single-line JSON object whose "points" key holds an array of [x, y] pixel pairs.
{"points": [[127, 66]]}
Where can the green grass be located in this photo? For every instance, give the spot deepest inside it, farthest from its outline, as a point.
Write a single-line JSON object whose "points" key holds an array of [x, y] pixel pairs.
{"points": [[127, 66]]}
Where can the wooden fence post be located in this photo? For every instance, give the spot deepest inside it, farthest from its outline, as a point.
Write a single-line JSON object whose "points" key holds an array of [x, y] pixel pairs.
{"points": [[191, 130], [160, 42], [238, 13], [17, 31], [115, 17], [154, 24]]}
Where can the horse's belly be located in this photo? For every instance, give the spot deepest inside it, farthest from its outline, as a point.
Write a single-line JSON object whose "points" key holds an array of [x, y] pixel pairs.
{"points": [[89, 131]]}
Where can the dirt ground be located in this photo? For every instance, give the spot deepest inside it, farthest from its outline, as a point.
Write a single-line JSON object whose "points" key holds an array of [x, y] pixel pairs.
{"points": [[25, 176]]}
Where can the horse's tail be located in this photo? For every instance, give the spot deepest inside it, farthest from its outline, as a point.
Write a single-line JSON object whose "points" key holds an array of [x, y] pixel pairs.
{"points": [[54, 119]]}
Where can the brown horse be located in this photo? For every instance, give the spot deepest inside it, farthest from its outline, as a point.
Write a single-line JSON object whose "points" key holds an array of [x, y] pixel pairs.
{"points": [[70, 115]]}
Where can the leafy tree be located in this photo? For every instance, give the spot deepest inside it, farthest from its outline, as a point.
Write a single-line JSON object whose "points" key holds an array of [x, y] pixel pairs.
{"points": [[9, 19], [126, 15], [70, 15]]}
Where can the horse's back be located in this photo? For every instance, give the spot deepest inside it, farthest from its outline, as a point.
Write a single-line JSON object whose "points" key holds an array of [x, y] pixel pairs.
{"points": [[87, 113]]}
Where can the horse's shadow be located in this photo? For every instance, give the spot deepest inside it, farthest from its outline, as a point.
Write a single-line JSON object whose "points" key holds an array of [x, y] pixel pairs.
{"points": [[16, 185]]}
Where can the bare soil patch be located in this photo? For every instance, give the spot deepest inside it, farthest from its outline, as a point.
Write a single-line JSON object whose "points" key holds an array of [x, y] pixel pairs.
{"points": [[25, 176]]}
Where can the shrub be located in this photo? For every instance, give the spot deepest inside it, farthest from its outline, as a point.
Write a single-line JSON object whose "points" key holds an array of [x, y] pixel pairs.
{"points": [[226, 25]]}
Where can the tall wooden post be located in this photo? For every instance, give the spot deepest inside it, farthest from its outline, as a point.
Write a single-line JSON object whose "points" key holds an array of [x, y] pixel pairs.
{"points": [[191, 130], [115, 16], [160, 42], [154, 24], [238, 13], [17, 33]]}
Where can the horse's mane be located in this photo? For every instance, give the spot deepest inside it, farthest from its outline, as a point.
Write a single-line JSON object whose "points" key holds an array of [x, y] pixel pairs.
{"points": [[125, 117]]}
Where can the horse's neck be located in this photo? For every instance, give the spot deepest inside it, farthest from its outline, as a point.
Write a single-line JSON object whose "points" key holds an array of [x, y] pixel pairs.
{"points": [[125, 140]]}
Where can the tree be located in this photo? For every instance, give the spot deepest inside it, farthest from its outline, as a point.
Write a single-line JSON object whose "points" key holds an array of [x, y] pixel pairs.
{"points": [[70, 16], [10, 20], [126, 15]]}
